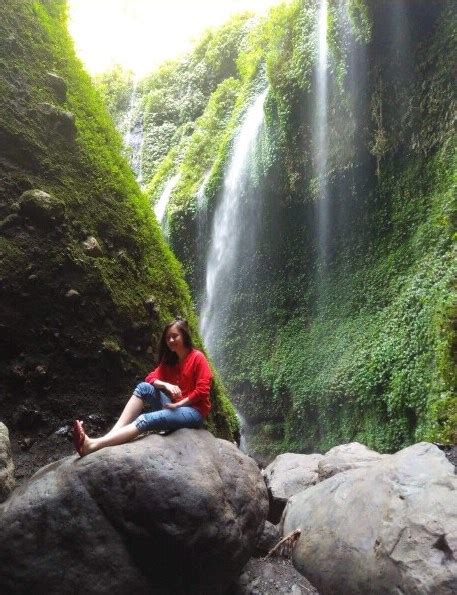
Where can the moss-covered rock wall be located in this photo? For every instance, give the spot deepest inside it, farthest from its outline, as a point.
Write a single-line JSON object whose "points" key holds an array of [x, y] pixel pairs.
{"points": [[87, 281]]}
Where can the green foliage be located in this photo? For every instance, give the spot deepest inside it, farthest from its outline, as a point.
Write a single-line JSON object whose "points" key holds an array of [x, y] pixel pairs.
{"points": [[360, 19], [115, 87], [178, 92], [362, 348]]}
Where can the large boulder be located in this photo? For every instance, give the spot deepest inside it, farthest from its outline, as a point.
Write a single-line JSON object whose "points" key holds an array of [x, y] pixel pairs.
{"points": [[41, 208], [287, 475], [7, 481], [346, 456], [387, 528], [58, 120], [180, 513]]}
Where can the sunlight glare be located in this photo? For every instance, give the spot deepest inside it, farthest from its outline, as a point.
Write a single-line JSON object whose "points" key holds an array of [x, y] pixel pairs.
{"points": [[140, 34]]}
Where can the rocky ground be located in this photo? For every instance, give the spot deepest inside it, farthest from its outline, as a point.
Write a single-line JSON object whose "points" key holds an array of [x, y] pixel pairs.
{"points": [[261, 576], [272, 576], [34, 449]]}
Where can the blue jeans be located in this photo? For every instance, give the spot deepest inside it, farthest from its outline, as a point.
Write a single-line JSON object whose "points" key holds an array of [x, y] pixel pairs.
{"points": [[164, 419]]}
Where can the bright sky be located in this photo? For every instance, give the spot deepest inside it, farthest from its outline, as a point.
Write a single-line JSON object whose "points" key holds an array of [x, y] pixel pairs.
{"points": [[140, 34]]}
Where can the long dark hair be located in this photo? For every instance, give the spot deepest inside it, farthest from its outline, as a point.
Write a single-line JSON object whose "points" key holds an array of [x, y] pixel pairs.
{"points": [[166, 356]]}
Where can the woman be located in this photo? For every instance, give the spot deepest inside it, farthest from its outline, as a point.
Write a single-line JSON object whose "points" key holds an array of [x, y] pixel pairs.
{"points": [[177, 390]]}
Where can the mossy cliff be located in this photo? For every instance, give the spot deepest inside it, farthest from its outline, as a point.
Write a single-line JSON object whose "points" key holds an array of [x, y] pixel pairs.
{"points": [[340, 324], [87, 280]]}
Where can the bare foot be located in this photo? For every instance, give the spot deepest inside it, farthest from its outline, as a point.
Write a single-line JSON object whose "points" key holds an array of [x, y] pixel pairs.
{"points": [[83, 444], [78, 435], [87, 446]]}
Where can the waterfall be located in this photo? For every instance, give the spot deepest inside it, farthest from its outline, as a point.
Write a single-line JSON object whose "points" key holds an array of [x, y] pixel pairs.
{"points": [[320, 138], [202, 225], [229, 223], [133, 135], [161, 205], [244, 447], [201, 193]]}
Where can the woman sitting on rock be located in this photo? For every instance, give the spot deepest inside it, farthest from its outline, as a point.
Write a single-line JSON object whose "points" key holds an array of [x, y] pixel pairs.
{"points": [[177, 391]]}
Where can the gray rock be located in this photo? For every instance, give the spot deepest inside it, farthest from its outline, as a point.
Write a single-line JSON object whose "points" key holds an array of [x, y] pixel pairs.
{"points": [[346, 456], [92, 247], [58, 85], [160, 513], [287, 475], [268, 572], [291, 473], [7, 481], [244, 579], [268, 538], [11, 220], [42, 208], [387, 528], [152, 307], [59, 121], [73, 295]]}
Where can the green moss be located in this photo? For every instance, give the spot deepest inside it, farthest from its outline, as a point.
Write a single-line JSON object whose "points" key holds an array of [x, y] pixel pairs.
{"points": [[120, 298]]}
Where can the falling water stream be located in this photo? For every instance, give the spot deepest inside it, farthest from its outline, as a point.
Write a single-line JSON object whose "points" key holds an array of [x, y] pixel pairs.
{"points": [[133, 135], [202, 220], [228, 223], [160, 207], [320, 138]]}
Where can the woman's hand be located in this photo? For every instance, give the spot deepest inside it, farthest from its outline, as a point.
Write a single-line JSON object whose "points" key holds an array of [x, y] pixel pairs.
{"points": [[180, 403], [173, 390], [171, 405]]}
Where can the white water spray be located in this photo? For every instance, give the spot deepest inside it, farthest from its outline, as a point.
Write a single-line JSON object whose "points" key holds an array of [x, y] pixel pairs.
{"points": [[202, 220], [201, 192], [227, 225], [320, 135], [161, 205], [133, 135]]}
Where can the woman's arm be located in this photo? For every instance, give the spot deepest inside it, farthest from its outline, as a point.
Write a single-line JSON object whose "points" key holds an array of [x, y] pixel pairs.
{"points": [[171, 389], [181, 403], [154, 378], [203, 377]]}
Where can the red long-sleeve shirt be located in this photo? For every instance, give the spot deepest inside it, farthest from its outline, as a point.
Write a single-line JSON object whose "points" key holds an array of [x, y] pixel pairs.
{"points": [[193, 376]]}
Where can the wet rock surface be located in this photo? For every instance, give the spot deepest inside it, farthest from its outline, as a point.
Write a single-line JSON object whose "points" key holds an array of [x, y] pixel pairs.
{"points": [[92, 247], [58, 121]]}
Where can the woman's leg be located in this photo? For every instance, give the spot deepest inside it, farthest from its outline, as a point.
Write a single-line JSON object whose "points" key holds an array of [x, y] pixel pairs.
{"points": [[113, 438], [132, 410], [144, 392], [123, 430], [169, 419]]}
